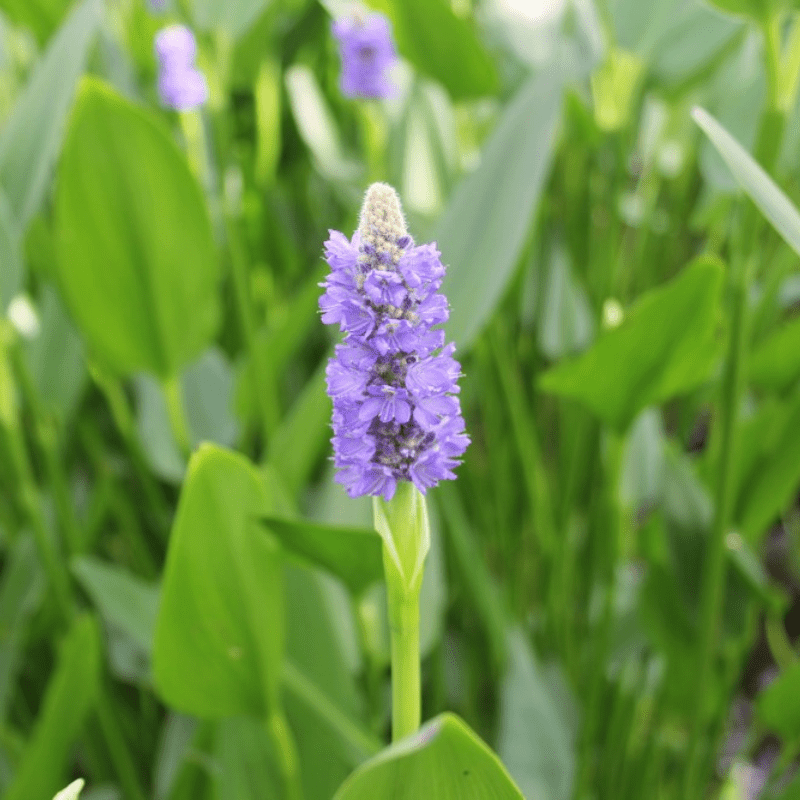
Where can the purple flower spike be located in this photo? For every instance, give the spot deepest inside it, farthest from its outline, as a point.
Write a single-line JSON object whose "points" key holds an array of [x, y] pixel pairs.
{"points": [[396, 414], [367, 51], [180, 84]]}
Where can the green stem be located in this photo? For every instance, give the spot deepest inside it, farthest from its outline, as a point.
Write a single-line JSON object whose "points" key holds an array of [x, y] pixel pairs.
{"points": [[406, 691], [177, 414], [286, 752], [403, 525]]}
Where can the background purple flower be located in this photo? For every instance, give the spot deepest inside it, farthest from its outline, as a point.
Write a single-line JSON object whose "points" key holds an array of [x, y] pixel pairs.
{"points": [[180, 84], [367, 51], [396, 415]]}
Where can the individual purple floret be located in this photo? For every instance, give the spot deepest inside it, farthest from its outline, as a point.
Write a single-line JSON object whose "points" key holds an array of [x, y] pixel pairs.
{"points": [[367, 51], [393, 381], [180, 84]]}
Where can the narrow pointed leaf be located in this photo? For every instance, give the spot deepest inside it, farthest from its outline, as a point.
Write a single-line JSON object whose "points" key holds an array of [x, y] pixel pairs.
{"points": [[483, 230], [759, 187], [31, 139]]}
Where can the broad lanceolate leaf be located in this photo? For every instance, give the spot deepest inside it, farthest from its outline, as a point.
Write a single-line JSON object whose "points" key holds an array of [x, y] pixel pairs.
{"points": [[665, 346], [775, 363], [759, 187], [136, 259], [69, 697], [441, 45], [30, 141], [483, 230], [219, 632], [354, 555], [444, 759], [772, 449]]}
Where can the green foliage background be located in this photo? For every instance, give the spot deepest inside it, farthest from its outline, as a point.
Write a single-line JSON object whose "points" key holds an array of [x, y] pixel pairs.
{"points": [[191, 608]]}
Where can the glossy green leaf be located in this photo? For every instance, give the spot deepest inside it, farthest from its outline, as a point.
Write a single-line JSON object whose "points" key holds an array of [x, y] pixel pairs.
{"points": [[534, 739], [778, 706], [219, 631], [759, 187], [444, 759], [353, 555], [775, 363], [245, 760], [483, 230], [123, 599], [136, 259], [665, 346], [31, 138], [441, 45], [70, 695]]}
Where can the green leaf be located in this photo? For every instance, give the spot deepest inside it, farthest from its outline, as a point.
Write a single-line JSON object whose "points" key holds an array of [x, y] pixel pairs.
{"points": [[353, 555], [123, 599], [757, 10], [484, 228], [219, 632], [246, 766], [534, 739], [775, 362], [778, 706], [441, 45], [642, 478], [233, 16], [759, 187], [31, 139], [444, 759], [136, 258], [772, 480], [665, 346], [41, 16], [69, 697]]}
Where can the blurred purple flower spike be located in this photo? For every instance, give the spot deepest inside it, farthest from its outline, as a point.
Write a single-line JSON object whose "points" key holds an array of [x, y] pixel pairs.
{"points": [[396, 415], [180, 84], [367, 51], [157, 6]]}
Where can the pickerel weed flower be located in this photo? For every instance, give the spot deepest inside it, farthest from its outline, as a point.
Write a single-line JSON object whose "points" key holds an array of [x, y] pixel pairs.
{"points": [[367, 51], [180, 84], [393, 381]]}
